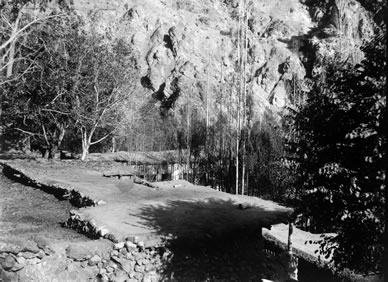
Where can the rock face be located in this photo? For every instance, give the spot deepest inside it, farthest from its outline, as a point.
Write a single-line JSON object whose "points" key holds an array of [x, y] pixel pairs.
{"points": [[186, 50]]}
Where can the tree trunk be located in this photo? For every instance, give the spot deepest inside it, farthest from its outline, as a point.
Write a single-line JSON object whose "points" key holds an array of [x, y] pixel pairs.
{"points": [[52, 151], [113, 144], [12, 47], [85, 152], [188, 141], [244, 97], [85, 145]]}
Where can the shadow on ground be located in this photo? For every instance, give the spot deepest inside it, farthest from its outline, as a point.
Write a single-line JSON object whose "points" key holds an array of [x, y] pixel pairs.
{"points": [[212, 239]]}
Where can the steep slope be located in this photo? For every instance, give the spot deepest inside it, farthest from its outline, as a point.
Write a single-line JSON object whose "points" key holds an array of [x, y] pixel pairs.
{"points": [[186, 50]]}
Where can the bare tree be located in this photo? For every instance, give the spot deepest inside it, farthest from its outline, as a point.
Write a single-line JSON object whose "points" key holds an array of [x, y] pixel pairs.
{"points": [[106, 83]]}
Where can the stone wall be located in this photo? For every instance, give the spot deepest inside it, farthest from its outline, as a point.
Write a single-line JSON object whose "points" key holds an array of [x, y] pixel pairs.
{"points": [[76, 198], [126, 261], [231, 257], [237, 255], [15, 255]]}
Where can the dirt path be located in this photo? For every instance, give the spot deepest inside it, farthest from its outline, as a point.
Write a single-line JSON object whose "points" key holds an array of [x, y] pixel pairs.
{"points": [[125, 209], [26, 212]]}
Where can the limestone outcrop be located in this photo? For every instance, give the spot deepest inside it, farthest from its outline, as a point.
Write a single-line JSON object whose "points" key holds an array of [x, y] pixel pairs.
{"points": [[186, 50]]}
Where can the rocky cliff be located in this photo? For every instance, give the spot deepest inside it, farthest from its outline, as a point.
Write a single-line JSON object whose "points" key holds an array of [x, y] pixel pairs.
{"points": [[186, 50]]}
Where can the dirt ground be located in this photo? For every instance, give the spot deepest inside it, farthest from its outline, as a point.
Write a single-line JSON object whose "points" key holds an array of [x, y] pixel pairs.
{"points": [[28, 212], [173, 207]]}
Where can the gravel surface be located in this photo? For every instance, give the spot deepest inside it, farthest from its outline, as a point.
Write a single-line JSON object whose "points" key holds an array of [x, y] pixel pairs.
{"points": [[26, 212]]}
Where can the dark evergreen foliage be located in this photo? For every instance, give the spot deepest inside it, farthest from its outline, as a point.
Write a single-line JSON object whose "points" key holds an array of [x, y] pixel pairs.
{"points": [[340, 154]]}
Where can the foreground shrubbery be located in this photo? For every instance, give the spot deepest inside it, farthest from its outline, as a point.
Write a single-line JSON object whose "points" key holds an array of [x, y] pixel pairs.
{"points": [[340, 157]]}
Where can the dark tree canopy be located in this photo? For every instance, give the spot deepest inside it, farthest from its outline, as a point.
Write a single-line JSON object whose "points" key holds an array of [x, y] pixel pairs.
{"points": [[340, 152]]}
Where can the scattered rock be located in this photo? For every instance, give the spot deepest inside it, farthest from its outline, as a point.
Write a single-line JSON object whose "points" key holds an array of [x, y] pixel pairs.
{"points": [[9, 262], [27, 255], [146, 261], [151, 277], [15, 246], [94, 260], [41, 254], [21, 260], [129, 256], [119, 246], [140, 244], [114, 253], [139, 276], [102, 278], [102, 231], [93, 271], [139, 268], [130, 246], [71, 267], [34, 261], [84, 263], [120, 276], [17, 267], [149, 267], [78, 252], [111, 237], [127, 265], [6, 247], [111, 264], [8, 276], [124, 251], [42, 244], [110, 269]]}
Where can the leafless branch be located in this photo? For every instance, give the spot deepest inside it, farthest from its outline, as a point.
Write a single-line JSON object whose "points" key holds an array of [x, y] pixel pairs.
{"points": [[55, 111], [45, 135], [26, 132], [17, 34], [103, 138]]}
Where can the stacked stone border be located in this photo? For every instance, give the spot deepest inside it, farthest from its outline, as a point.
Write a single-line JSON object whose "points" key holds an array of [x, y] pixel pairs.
{"points": [[74, 197], [130, 260], [15, 255]]}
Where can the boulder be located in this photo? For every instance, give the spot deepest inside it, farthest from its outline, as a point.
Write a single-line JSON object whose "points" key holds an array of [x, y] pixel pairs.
{"points": [[94, 260], [78, 252], [130, 246], [9, 262], [15, 246]]}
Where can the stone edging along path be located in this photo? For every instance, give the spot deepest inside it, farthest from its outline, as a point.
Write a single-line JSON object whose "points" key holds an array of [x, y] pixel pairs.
{"points": [[120, 210], [73, 196], [139, 258], [76, 220], [21, 260]]}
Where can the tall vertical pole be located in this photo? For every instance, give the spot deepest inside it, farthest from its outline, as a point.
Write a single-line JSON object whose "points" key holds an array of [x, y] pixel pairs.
{"points": [[292, 260], [244, 94], [239, 50], [207, 122]]}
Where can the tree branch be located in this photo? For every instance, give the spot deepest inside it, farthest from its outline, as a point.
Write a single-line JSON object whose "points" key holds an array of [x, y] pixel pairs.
{"points": [[103, 138], [27, 132], [45, 135], [55, 111], [16, 35]]}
